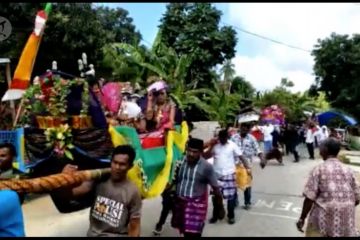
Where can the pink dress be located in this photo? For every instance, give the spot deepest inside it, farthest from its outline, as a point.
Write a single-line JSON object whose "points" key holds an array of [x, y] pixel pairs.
{"points": [[165, 118]]}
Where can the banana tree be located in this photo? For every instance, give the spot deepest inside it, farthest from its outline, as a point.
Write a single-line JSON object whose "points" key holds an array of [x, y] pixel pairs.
{"points": [[164, 62], [122, 67], [220, 105]]}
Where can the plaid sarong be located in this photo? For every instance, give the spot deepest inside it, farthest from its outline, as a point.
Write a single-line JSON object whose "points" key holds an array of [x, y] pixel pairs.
{"points": [[189, 214], [228, 186]]}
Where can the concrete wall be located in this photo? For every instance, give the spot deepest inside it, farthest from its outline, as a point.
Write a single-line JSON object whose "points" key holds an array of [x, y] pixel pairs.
{"points": [[204, 130]]}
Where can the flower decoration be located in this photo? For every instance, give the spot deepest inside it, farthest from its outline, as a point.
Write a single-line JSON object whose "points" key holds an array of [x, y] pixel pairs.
{"points": [[61, 139], [57, 97]]}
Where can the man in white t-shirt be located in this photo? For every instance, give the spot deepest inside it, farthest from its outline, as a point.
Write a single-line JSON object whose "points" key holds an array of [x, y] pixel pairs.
{"points": [[268, 138], [226, 155]]}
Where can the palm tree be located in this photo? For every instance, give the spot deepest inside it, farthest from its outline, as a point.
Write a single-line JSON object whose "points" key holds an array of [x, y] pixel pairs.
{"points": [[228, 72], [286, 83], [300, 103]]}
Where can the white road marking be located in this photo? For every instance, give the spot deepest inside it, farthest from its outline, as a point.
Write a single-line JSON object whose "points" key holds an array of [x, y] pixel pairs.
{"points": [[272, 215]]}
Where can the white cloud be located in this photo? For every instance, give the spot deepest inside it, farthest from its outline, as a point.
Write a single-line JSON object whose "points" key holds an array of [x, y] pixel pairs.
{"points": [[300, 24], [265, 75]]}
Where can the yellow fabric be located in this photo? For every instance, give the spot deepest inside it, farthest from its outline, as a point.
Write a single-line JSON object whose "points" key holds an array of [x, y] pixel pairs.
{"points": [[26, 63], [243, 180], [159, 184], [116, 138], [16, 164]]}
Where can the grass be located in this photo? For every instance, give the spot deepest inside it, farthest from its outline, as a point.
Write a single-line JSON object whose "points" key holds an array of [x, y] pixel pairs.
{"points": [[344, 159]]}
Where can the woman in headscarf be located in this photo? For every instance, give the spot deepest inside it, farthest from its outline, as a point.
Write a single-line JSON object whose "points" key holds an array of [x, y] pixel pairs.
{"points": [[323, 134]]}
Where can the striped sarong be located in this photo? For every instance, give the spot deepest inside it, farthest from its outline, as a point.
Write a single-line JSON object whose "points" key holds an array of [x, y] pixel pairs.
{"points": [[228, 186], [189, 214]]}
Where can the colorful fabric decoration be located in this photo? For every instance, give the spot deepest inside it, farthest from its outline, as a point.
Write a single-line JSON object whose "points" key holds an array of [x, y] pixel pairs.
{"points": [[273, 115], [154, 166]]}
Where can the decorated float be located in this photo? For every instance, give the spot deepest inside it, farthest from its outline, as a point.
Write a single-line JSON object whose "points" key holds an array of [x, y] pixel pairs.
{"points": [[61, 119], [273, 114]]}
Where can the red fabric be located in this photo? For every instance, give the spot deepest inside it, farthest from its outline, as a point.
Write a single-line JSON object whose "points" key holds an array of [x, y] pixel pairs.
{"points": [[152, 142], [257, 134], [42, 14], [19, 84]]}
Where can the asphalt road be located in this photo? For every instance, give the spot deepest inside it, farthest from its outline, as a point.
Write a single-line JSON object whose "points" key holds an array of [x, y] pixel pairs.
{"points": [[276, 202]]}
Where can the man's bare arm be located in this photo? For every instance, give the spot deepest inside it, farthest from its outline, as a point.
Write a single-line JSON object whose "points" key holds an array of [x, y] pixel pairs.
{"points": [[75, 191], [134, 227], [245, 162]]}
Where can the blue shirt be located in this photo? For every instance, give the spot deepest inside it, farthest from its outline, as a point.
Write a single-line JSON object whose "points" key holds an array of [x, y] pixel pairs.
{"points": [[11, 217]]}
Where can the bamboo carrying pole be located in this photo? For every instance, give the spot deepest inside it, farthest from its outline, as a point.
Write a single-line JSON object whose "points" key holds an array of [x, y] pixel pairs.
{"points": [[52, 182], [20, 108]]}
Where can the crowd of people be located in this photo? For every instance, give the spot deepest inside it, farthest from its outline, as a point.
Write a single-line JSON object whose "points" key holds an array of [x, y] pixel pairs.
{"points": [[116, 202], [331, 192]]}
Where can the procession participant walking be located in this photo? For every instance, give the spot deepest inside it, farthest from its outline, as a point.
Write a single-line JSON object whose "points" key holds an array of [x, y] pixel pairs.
{"points": [[167, 203], [310, 140], [192, 178], [323, 134], [331, 194], [268, 138], [115, 201], [250, 148], [226, 155], [293, 140]]}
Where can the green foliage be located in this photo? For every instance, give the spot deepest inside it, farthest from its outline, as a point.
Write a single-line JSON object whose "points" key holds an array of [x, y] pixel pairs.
{"points": [[72, 28], [22, 18], [123, 67], [161, 61], [33, 104], [294, 104], [337, 71], [118, 25], [242, 87], [354, 143], [220, 105], [193, 29]]}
